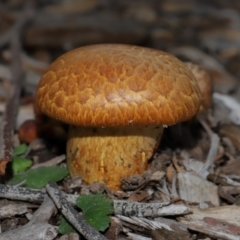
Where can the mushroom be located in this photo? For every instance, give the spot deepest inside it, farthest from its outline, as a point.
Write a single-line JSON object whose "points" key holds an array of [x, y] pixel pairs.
{"points": [[205, 84], [116, 99]]}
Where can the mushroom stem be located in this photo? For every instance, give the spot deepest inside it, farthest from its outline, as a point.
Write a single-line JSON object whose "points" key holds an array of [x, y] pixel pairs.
{"points": [[109, 154]]}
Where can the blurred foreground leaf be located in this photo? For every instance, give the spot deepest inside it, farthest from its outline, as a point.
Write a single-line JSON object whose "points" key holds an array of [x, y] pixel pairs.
{"points": [[65, 227], [39, 177], [19, 163], [21, 149]]}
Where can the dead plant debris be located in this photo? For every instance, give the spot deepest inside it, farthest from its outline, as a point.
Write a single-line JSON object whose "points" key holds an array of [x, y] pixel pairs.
{"points": [[191, 189]]}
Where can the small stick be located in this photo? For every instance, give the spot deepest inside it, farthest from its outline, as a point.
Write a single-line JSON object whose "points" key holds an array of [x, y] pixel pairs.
{"points": [[71, 214], [37, 227], [11, 109], [52, 162], [211, 154], [121, 207], [22, 194]]}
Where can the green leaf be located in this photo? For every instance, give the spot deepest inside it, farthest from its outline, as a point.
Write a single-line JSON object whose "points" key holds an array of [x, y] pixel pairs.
{"points": [[17, 178], [21, 149], [20, 164], [96, 209], [39, 177], [65, 227]]}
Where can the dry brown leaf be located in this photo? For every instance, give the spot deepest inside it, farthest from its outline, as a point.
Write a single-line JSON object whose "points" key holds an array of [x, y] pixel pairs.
{"points": [[170, 173], [139, 196], [232, 132]]}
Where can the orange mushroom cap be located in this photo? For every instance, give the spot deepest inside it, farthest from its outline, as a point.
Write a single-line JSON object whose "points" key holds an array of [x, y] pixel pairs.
{"points": [[118, 85]]}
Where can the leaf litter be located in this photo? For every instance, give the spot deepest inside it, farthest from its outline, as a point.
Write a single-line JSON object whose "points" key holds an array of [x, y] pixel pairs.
{"points": [[196, 165]]}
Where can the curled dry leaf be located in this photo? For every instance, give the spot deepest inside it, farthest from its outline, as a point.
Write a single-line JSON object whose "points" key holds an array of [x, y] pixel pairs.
{"points": [[230, 106], [170, 173], [232, 132]]}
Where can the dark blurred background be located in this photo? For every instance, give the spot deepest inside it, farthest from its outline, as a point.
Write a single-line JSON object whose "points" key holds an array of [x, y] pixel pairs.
{"points": [[205, 32]]}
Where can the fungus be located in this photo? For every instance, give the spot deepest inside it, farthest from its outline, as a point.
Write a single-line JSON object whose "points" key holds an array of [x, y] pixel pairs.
{"points": [[116, 99], [205, 84]]}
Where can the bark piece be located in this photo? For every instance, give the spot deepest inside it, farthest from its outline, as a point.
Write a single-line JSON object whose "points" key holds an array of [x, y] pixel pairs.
{"points": [[219, 222], [160, 224], [9, 209], [70, 236], [127, 208], [37, 228], [113, 231], [194, 188], [233, 133]]}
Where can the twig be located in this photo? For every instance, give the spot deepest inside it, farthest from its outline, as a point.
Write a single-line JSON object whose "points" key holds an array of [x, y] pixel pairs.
{"points": [[28, 62], [137, 236], [5, 72], [6, 37], [229, 181], [71, 214], [37, 227], [211, 155], [212, 151], [23, 194], [206, 127], [121, 207], [9, 117], [51, 162], [144, 222], [136, 209]]}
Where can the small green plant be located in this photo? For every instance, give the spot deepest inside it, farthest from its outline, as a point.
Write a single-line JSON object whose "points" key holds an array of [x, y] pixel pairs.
{"points": [[96, 210], [19, 163], [65, 227], [33, 178], [39, 177]]}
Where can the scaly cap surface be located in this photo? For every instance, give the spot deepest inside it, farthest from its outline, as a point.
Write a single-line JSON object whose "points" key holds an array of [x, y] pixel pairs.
{"points": [[118, 85]]}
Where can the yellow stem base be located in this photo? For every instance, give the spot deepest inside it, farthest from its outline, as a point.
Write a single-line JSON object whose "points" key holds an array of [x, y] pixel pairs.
{"points": [[107, 155]]}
